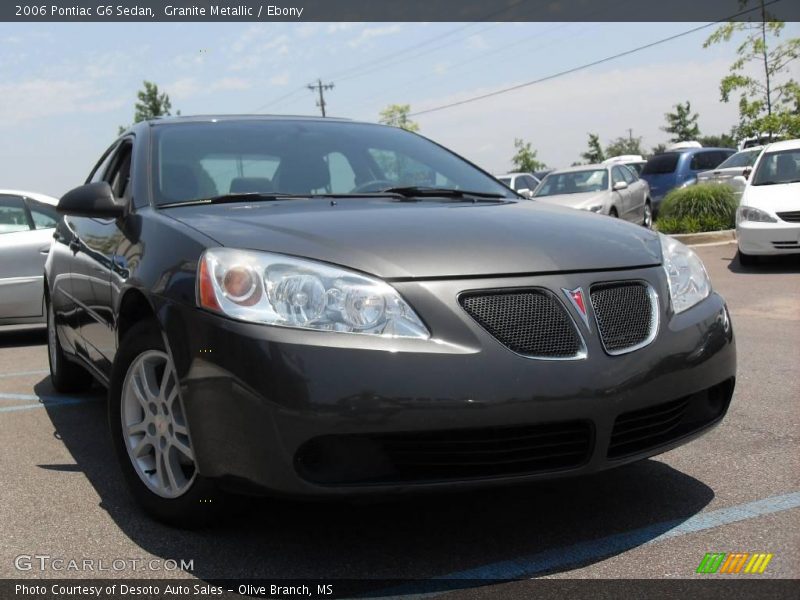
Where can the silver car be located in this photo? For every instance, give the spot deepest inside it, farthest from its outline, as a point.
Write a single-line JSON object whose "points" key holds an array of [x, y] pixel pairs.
{"points": [[27, 223], [522, 183], [611, 189], [733, 171]]}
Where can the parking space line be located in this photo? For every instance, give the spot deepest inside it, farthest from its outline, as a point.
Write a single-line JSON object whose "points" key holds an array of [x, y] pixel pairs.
{"points": [[573, 556], [41, 401], [23, 373]]}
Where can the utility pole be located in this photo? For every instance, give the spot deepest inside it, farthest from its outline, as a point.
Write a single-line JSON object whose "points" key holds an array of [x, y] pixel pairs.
{"points": [[630, 135], [320, 87]]}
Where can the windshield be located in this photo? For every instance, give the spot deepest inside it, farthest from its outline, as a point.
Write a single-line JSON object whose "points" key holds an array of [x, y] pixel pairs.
{"points": [[505, 180], [740, 159], [573, 182], [194, 161], [661, 164], [778, 167]]}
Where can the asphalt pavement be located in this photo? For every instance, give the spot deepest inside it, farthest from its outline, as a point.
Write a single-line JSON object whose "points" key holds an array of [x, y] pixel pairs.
{"points": [[736, 489]]}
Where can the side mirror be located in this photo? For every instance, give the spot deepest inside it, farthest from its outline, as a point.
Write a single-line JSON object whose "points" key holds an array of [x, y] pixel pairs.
{"points": [[620, 185], [525, 192], [747, 172], [91, 200]]}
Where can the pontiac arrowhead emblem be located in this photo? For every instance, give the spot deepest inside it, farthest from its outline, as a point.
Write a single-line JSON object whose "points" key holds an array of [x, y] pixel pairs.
{"points": [[578, 301]]}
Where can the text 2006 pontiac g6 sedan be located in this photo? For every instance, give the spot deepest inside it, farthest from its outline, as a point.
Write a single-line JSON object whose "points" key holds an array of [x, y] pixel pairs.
{"points": [[321, 307]]}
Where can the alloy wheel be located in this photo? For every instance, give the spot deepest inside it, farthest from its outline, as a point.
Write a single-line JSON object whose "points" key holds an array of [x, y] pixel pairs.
{"points": [[154, 427], [648, 216], [52, 340]]}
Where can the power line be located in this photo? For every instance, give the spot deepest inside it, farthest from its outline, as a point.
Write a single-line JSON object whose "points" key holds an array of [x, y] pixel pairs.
{"points": [[582, 67]]}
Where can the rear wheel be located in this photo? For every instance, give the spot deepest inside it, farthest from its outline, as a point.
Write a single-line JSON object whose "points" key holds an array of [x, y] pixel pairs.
{"points": [[151, 435], [65, 375]]}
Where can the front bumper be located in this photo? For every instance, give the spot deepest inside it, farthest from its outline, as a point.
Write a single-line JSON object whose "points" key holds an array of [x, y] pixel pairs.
{"points": [[768, 238], [317, 413]]}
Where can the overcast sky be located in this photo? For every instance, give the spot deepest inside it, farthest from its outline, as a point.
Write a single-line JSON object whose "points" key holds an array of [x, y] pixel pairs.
{"points": [[65, 88]]}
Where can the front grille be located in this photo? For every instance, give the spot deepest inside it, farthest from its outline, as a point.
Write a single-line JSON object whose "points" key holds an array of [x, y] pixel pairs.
{"points": [[790, 217], [787, 245], [626, 314], [446, 455], [646, 429], [529, 322]]}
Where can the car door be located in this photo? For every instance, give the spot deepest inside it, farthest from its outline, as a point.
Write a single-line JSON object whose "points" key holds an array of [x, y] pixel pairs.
{"points": [[622, 197], [637, 194], [95, 253], [23, 250]]}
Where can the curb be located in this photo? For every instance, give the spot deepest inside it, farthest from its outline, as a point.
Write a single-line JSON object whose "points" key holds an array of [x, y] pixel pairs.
{"points": [[706, 237]]}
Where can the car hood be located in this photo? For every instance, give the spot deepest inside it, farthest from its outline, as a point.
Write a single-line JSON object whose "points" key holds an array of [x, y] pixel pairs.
{"points": [[773, 198], [391, 238], [574, 200]]}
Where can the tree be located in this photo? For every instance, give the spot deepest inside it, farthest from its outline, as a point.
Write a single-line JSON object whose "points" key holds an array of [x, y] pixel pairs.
{"points": [[396, 115], [723, 140], [525, 160], [768, 103], [595, 152], [682, 124], [151, 104], [624, 145], [658, 149]]}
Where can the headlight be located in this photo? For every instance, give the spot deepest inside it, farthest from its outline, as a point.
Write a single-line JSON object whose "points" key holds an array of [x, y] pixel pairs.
{"points": [[291, 292], [688, 280], [594, 208], [748, 213]]}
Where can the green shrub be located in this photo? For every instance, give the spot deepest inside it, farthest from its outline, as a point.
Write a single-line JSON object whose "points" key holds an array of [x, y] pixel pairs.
{"points": [[703, 207]]}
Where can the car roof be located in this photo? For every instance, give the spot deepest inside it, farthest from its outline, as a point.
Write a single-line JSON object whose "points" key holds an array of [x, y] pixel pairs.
{"points": [[785, 145], [243, 117], [582, 168], [45, 199], [514, 174]]}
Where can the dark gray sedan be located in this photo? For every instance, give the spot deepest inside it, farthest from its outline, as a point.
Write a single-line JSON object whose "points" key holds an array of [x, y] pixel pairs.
{"points": [[322, 307]]}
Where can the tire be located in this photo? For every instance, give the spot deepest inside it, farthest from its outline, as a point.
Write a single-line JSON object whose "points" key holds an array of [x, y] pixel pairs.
{"points": [[613, 213], [747, 260], [163, 478], [647, 220], [65, 375]]}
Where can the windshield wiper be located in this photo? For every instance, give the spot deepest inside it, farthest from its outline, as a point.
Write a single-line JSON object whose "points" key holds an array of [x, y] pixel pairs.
{"points": [[235, 197], [413, 191]]}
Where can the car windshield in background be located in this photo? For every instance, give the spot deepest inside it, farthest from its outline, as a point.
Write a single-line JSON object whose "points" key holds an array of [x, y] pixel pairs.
{"points": [[778, 167], [574, 182], [661, 164], [201, 160], [740, 159], [505, 180]]}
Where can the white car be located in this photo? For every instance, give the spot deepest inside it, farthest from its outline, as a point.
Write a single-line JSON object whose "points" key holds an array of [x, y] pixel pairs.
{"points": [[768, 217], [522, 183], [632, 161], [733, 171], [27, 222]]}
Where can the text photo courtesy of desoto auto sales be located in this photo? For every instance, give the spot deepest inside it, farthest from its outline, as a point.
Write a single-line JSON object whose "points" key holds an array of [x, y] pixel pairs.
{"points": [[332, 299]]}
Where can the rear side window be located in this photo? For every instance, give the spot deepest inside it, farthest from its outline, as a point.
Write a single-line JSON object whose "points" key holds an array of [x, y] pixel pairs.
{"points": [[661, 164], [703, 161], [740, 159], [13, 216]]}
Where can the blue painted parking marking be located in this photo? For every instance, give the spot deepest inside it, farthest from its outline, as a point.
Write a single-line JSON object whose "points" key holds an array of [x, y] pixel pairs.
{"points": [[23, 373], [42, 401], [558, 559]]}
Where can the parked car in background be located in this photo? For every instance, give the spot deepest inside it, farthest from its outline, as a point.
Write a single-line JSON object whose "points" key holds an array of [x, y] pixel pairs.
{"points": [[522, 183], [733, 171], [27, 222], [611, 189], [542, 174], [679, 168], [768, 217], [632, 161], [337, 329]]}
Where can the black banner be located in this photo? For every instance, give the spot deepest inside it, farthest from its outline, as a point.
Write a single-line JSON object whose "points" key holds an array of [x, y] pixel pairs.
{"points": [[407, 10], [734, 588]]}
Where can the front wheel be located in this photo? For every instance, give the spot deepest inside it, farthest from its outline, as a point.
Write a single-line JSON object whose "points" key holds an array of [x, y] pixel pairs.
{"points": [[747, 260], [151, 436], [647, 220]]}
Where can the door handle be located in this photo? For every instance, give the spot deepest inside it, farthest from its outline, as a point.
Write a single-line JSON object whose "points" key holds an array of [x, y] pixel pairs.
{"points": [[44, 249]]}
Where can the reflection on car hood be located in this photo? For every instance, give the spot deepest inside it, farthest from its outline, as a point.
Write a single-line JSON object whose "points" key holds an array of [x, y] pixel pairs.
{"points": [[575, 200], [400, 239]]}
